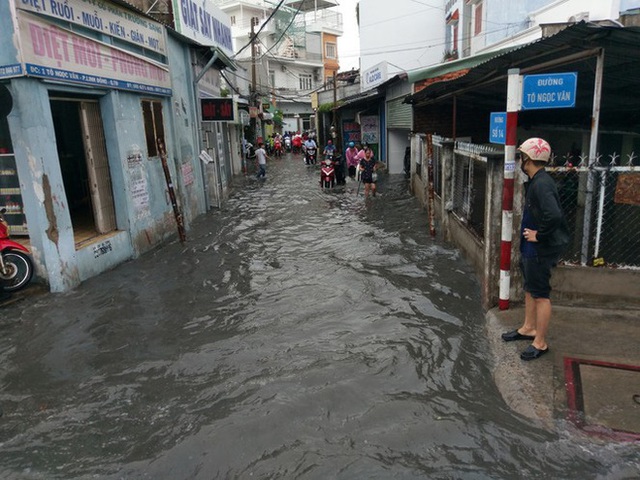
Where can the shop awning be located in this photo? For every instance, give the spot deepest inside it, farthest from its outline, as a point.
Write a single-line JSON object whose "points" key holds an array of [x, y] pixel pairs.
{"points": [[223, 60], [571, 49], [444, 72], [361, 99]]}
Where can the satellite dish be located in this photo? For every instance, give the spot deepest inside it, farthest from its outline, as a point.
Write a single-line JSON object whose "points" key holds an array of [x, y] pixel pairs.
{"points": [[6, 101]]}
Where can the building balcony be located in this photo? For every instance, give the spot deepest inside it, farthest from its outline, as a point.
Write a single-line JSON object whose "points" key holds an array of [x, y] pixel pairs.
{"points": [[328, 21], [303, 5]]}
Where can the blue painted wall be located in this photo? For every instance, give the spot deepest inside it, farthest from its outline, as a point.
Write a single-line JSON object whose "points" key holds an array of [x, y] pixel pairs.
{"points": [[141, 225]]}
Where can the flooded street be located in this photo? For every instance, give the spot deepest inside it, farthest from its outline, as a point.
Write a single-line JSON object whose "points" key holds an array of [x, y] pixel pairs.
{"points": [[296, 334]]}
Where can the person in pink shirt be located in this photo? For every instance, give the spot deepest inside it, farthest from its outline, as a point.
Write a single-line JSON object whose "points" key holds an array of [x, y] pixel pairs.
{"points": [[350, 155]]}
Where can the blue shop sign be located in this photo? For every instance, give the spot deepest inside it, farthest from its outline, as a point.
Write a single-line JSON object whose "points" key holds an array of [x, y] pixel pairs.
{"points": [[549, 90], [498, 128]]}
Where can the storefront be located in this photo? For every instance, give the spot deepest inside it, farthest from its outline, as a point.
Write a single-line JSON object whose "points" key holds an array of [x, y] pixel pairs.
{"points": [[92, 108]]}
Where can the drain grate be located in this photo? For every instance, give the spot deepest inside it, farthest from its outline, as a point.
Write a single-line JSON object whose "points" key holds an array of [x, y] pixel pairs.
{"points": [[604, 397]]}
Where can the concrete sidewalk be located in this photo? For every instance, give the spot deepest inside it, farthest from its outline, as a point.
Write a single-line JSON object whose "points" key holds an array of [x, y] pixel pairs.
{"points": [[590, 376]]}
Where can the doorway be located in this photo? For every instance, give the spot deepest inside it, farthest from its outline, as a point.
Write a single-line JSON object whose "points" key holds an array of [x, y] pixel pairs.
{"points": [[84, 165]]}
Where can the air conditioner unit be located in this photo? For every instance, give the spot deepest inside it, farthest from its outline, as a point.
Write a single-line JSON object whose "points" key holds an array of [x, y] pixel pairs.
{"points": [[579, 17]]}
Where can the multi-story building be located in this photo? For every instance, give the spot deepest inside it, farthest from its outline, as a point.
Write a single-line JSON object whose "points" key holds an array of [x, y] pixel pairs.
{"points": [[594, 138], [293, 54], [478, 26], [99, 126]]}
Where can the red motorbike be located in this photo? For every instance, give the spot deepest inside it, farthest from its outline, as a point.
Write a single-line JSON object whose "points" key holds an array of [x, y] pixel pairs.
{"points": [[16, 266], [277, 148], [327, 173]]}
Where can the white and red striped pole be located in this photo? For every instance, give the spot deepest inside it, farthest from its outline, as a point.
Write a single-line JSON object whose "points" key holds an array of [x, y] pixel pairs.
{"points": [[514, 97]]}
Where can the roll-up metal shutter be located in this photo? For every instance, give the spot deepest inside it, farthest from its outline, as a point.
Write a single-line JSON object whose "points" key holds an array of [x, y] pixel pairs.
{"points": [[399, 115]]}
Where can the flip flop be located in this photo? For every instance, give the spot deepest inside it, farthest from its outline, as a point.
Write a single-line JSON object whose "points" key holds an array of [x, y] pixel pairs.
{"points": [[531, 353], [515, 335]]}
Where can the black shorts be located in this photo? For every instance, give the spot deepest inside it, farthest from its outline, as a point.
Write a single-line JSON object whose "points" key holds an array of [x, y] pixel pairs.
{"points": [[536, 273]]}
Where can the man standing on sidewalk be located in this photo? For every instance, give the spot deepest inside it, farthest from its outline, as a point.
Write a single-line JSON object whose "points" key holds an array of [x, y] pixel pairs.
{"points": [[544, 236]]}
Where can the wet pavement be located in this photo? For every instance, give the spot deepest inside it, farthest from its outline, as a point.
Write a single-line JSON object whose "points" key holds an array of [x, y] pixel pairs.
{"points": [[297, 334]]}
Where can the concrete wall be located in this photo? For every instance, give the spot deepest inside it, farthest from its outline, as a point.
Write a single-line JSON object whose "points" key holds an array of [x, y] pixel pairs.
{"points": [[182, 118], [139, 227], [572, 285], [43, 197]]}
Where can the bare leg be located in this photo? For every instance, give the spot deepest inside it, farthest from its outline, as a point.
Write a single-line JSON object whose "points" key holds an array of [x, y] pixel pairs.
{"points": [[543, 317], [530, 316]]}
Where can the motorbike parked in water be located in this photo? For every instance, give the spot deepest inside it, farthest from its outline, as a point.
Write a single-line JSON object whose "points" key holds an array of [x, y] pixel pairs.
{"points": [[16, 266], [327, 173]]}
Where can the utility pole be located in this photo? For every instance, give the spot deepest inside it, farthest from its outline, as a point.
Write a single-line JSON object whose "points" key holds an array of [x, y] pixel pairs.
{"points": [[254, 95], [337, 132], [335, 99]]}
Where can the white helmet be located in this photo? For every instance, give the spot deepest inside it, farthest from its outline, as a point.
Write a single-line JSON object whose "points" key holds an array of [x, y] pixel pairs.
{"points": [[536, 149]]}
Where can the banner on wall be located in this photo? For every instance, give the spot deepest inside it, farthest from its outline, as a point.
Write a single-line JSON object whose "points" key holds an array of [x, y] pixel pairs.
{"points": [[104, 17], [52, 52]]}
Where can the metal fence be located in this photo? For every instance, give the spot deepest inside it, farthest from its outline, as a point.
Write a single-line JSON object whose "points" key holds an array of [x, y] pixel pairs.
{"points": [[602, 205], [470, 184], [601, 201]]}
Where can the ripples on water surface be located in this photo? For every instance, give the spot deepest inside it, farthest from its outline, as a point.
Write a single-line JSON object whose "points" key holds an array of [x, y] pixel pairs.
{"points": [[297, 334]]}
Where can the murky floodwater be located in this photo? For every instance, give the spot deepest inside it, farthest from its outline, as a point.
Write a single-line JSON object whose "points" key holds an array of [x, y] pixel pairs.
{"points": [[297, 334]]}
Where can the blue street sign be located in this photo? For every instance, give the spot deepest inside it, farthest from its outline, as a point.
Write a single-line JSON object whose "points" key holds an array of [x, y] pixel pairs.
{"points": [[498, 128], [549, 90]]}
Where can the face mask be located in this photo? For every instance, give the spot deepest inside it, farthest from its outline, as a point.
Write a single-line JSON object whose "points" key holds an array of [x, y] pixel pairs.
{"points": [[522, 162]]}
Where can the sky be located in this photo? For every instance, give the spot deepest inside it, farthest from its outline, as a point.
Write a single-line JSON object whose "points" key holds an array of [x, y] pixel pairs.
{"points": [[349, 42]]}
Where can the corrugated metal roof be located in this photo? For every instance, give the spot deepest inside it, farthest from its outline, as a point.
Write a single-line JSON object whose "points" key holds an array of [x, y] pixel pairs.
{"points": [[562, 52], [360, 98], [453, 67]]}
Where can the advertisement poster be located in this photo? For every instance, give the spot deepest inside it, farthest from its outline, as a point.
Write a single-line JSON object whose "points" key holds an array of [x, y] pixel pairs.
{"points": [[187, 174], [350, 132], [370, 126], [139, 194]]}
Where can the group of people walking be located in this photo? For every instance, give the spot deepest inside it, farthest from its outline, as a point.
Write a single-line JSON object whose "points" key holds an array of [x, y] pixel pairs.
{"points": [[359, 159], [544, 230]]}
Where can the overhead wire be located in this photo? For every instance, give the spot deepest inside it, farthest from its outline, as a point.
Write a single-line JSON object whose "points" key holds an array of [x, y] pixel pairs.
{"points": [[255, 35], [293, 17]]}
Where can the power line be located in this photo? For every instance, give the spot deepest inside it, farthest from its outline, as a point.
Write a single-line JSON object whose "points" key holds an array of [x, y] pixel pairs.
{"points": [[251, 40], [267, 87], [366, 53], [284, 31]]}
